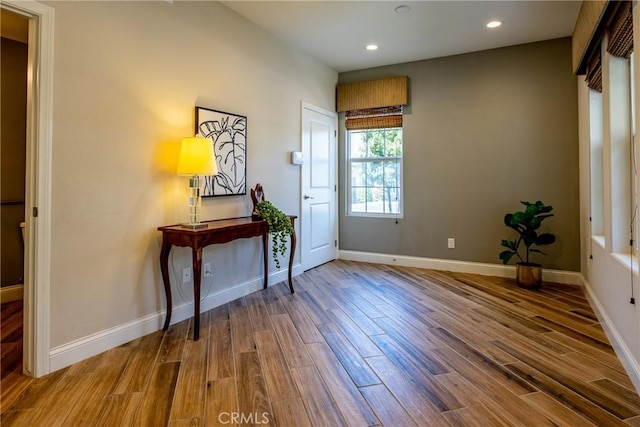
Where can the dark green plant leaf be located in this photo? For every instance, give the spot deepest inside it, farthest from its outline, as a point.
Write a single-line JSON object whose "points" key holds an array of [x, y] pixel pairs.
{"points": [[520, 218], [506, 256], [545, 239], [511, 244]]}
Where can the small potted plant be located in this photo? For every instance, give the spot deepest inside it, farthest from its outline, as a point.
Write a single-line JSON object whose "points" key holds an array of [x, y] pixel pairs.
{"points": [[527, 223], [280, 227]]}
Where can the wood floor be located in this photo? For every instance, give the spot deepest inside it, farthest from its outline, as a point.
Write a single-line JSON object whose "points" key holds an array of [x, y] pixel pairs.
{"points": [[358, 345], [10, 338]]}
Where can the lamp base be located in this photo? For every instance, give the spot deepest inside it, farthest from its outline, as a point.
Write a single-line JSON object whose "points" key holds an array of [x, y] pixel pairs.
{"points": [[195, 226]]}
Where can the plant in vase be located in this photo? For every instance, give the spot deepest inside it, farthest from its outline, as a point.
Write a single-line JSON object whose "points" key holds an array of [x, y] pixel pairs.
{"points": [[280, 227], [527, 224]]}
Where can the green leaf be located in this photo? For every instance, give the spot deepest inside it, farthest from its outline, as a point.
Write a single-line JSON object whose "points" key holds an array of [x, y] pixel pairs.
{"points": [[511, 244], [545, 239], [506, 256], [522, 218]]}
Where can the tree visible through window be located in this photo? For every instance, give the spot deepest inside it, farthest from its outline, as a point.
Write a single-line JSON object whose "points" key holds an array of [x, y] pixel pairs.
{"points": [[375, 171]]}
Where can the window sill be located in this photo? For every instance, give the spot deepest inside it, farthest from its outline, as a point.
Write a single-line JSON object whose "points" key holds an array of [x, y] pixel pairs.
{"points": [[599, 240], [627, 260], [374, 215]]}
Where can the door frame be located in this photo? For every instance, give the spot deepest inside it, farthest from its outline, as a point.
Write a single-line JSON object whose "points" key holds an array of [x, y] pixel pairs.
{"points": [[38, 184], [334, 116]]}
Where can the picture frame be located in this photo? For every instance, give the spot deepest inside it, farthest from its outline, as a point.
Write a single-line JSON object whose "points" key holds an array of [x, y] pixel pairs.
{"points": [[228, 134]]}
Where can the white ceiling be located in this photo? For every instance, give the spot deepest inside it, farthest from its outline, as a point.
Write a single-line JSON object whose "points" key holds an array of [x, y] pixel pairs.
{"points": [[336, 32]]}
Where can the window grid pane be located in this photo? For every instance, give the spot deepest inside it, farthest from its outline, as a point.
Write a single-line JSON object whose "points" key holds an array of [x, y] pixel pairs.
{"points": [[375, 165]]}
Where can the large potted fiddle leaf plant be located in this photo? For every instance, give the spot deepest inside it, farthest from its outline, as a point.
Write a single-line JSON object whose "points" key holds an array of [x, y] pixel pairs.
{"points": [[527, 224]]}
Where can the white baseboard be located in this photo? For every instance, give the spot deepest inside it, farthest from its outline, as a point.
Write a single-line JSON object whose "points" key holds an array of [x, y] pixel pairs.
{"points": [[11, 293], [75, 351], [557, 276], [624, 354]]}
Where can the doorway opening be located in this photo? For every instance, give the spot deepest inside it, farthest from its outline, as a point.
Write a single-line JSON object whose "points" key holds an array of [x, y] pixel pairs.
{"points": [[14, 50], [37, 182]]}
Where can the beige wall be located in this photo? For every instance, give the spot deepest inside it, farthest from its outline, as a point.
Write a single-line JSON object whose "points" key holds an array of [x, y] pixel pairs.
{"points": [[13, 126], [127, 77], [482, 132]]}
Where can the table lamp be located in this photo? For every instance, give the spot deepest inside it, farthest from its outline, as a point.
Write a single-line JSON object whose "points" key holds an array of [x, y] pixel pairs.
{"points": [[196, 158]]}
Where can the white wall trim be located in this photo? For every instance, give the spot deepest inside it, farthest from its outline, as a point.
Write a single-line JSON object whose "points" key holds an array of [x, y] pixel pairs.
{"points": [[557, 276], [83, 348], [624, 354], [11, 293], [38, 183]]}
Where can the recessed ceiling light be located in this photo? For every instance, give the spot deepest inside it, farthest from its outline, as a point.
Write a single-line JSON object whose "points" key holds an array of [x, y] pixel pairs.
{"points": [[494, 24], [371, 47], [403, 8]]}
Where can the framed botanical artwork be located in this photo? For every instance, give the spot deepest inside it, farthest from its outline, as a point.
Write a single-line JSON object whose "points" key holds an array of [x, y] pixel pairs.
{"points": [[228, 134]]}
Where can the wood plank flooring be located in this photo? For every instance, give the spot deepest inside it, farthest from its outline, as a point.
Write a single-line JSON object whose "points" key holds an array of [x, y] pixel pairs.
{"points": [[356, 345], [10, 337]]}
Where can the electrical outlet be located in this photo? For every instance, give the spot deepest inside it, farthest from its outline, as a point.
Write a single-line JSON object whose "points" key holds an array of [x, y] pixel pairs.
{"points": [[451, 243], [186, 275], [207, 269]]}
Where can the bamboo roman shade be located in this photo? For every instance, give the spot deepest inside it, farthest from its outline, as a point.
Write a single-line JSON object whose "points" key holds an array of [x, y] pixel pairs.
{"points": [[372, 94], [374, 118], [613, 19], [594, 69], [621, 30], [373, 104]]}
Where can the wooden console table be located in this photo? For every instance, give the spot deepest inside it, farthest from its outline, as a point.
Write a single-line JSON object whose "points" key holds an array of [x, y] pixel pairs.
{"points": [[219, 231]]}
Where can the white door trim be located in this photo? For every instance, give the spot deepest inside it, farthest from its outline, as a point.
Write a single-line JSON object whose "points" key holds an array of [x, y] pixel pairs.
{"points": [[334, 115], [38, 184]]}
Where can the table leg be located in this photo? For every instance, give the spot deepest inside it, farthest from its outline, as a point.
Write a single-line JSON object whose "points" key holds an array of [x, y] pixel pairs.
{"points": [[164, 268], [291, 254], [265, 251], [197, 276]]}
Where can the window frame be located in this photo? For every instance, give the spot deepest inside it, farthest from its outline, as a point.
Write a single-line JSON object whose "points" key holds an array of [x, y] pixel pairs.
{"points": [[399, 160], [635, 221]]}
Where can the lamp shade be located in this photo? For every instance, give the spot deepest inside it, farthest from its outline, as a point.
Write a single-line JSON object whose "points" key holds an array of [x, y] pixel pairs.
{"points": [[197, 157]]}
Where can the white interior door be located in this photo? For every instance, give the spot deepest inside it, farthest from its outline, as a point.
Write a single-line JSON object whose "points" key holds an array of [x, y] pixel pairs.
{"points": [[319, 192]]}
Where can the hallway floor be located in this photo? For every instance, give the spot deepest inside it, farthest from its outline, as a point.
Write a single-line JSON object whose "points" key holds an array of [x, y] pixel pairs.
{"points": [[10, 338], [359, 345]]}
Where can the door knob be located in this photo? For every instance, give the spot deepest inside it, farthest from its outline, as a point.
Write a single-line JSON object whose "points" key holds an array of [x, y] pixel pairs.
{"points": [[307, 197]]}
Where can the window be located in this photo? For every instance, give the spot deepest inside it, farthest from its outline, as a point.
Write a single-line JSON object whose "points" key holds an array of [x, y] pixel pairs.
{"points": [[374, 169], [634, 160], [620, 138], [596, 136]]}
